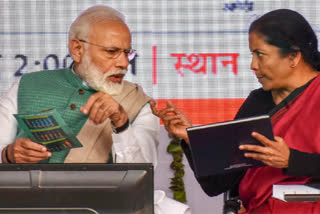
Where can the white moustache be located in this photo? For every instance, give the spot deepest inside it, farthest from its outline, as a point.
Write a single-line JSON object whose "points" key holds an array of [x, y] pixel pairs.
{"points": [[110, 73]]}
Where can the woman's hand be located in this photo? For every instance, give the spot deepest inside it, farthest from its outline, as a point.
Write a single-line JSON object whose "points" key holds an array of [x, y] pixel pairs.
{"points": [[174, 120], [273, 153]]}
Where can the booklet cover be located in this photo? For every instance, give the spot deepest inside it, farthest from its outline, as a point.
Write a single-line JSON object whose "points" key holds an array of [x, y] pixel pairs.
{"points": [[215, 149], [49, 129]]}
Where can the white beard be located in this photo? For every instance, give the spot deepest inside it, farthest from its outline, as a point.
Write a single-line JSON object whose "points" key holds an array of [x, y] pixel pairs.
{"points": [[97, 79]]}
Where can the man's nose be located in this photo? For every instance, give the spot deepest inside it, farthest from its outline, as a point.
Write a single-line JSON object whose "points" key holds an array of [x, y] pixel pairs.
{"points": [[122, 60]]}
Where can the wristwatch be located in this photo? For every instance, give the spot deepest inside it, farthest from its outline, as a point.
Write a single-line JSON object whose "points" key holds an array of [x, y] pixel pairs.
{"points": [[119, 129]]}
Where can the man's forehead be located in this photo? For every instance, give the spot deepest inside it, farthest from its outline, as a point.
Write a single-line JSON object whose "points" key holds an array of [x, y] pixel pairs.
{"points": [[110, 32], [109, 26]]}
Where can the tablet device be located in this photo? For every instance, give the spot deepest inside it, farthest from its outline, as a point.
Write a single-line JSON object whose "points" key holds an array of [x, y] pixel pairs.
{"points": [[214, 147]]}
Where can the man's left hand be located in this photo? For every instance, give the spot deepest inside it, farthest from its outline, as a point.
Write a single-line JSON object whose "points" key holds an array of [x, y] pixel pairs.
{"points": [[273, 153], [101, 106]]}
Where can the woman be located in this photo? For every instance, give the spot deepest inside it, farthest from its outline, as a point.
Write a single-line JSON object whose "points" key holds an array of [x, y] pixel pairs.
{"points": [[285, 59]]}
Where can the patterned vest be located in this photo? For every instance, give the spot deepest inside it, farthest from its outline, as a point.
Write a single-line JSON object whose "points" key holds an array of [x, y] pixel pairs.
{"points": [[64, 91]]}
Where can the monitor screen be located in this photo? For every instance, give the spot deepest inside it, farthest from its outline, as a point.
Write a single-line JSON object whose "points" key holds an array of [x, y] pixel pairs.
{"points": [[76, 188]]}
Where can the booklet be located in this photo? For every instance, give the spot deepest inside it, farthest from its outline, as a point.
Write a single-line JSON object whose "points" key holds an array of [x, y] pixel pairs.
{"points": [[49, 129], [214, 147]]}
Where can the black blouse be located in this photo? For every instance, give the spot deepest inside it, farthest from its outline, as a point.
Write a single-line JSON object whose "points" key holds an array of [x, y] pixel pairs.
{"points": [[258, 102]]}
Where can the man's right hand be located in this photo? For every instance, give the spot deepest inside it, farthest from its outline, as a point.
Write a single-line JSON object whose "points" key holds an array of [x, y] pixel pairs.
{"points": [[23, 150]]}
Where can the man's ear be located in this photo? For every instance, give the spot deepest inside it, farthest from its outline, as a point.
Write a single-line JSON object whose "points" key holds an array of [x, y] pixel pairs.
{"points": [[76, 49]]}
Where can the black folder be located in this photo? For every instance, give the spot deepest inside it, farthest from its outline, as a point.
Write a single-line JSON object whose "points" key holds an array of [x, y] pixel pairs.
{"points": [[214, 147]]}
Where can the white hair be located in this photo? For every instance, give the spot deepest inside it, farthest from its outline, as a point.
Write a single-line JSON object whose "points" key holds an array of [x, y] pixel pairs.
{"points": [[80, 27]]}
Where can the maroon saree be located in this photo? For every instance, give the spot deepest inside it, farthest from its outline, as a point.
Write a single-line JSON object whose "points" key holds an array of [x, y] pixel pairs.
{"points": [[297, 120]]}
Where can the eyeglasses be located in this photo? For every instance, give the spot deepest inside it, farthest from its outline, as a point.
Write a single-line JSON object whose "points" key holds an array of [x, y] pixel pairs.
{"points": [[112, 52]]}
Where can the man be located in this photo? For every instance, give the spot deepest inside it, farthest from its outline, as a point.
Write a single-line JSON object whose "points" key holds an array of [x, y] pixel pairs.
{"points": [[105, 112]]}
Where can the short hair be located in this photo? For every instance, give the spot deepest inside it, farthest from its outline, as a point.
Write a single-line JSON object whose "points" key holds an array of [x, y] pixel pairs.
{"points": [[80, 27], [290, 32]]}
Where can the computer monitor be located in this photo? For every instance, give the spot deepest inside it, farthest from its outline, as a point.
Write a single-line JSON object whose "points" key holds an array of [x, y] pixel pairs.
{"points": [[76, 188]]}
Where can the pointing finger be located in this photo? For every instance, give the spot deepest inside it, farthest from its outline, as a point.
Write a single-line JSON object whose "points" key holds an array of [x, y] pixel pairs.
{"points": [[154, 110]]}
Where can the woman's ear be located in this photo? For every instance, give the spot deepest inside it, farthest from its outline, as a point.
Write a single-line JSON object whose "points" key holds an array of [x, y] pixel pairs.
{"points": [[76, 49], [295, 58]]}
